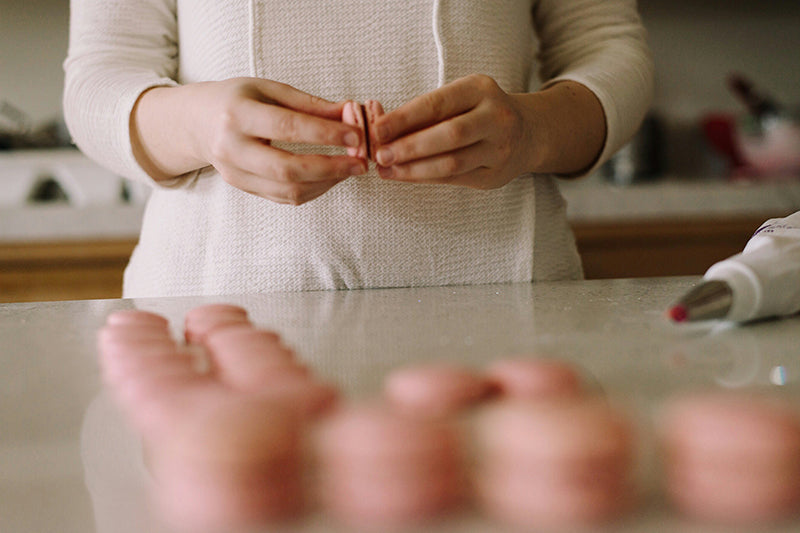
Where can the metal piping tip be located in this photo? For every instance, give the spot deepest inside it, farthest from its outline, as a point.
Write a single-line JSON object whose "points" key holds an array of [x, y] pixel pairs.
{"points": [[709, 300]]}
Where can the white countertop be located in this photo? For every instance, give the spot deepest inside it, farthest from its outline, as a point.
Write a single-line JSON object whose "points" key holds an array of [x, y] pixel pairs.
{"points": [[674, 198], [97, 214], [60, 435]]}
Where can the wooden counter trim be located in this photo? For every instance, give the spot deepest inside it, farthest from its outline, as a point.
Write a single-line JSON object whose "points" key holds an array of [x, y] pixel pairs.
{"points": [[78, 270], [660, 247], [65, 251], [67, 270]]}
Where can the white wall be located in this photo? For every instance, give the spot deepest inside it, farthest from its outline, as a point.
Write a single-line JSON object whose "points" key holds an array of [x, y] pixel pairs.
{"points": [[696, 43], [33, 44]]}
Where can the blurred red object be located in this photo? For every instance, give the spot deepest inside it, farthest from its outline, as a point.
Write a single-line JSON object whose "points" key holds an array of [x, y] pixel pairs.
{"points": [[719, 129]]}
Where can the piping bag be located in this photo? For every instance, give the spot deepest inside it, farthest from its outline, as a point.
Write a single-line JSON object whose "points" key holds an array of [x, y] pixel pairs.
{"points": [[760, 282]]}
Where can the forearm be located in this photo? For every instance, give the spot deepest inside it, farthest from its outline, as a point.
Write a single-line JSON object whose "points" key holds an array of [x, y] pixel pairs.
{"points": [[565, 128]]}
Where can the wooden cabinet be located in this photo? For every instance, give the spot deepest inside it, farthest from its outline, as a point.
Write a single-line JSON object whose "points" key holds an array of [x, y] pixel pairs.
{"points": [[93, 269], [80, 270], [660, 247]]}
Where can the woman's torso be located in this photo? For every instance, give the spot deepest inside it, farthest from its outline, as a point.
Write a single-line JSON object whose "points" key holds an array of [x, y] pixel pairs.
{"points": [[365, 232]]}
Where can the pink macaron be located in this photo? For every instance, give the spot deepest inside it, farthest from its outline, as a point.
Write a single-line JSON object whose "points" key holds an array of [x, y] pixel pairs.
{"points": [[435, 389], [196, 331], [201, 320], [235, 463], [565, 462], [309, 398], [120, 365], [732, 457], [129, 317], [111, 338], [378, 468], [534, 377], [249, 358], [205, 311], [363, 116]]}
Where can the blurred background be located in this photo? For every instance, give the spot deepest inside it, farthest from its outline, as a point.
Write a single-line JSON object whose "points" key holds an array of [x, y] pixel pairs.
{"points": [[718, 155]]}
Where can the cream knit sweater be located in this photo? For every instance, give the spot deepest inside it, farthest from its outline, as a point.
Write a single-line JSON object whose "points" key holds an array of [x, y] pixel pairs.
{"points": [[201, 236]]}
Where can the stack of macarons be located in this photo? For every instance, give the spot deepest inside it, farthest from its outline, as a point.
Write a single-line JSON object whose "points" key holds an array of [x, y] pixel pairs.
{"points": [[546, 450], [221, 414], [438, 389], [379, 468], [255, 361], [564, 462], [535, 378], [732, 457], [201, 320], [441, 388], [230, 417], [234, 464], [150, 374]]}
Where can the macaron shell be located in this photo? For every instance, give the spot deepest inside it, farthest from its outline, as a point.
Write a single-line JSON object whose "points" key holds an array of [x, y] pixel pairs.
{"points": [[139, 365], [230, 432], [154, 407], [529, 501], [132, 332], [372, 109], [732, 424], [555, 430], [130, 317], [351, 115], [192, 507], [115, 354], [196, 330], [378, 468], [240, 345], [435, 389], [255, 373], [203, 312], [307, 398], [534, 377], [377, 433], [387, 503], [734, 499]]}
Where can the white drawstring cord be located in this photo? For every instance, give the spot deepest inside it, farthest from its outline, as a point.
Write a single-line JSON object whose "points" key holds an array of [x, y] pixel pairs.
{"points": [[437, 37], [252, 44]]}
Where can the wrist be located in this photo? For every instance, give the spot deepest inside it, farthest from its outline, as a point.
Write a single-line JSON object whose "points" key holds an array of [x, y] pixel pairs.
{"points": [[565, 128], [164, 139]]}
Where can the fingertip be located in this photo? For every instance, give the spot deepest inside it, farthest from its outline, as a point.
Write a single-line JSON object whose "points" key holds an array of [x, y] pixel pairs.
{"points": [[385, 172], [357, 168], [381, 131]]}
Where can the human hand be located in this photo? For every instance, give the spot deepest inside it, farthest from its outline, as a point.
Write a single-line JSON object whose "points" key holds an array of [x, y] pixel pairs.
{"points": [[469, 132], [241, 118]]}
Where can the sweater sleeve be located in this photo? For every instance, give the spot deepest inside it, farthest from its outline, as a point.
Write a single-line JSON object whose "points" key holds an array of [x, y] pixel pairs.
{"points": [[602, 45], [117, 50]]}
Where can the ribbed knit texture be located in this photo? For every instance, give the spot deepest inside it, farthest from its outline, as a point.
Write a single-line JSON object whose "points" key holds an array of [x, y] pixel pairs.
{"points": [[202, 236]]}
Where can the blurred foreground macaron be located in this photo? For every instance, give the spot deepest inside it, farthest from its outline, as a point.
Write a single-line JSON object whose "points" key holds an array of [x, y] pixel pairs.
{"points": [[248, 358], [202, 312], [116, 339], [130, 317], [435, 389], [234, 463], [732, 457], [559, 463], [534, 377], [378, 468], [309, 398], [201, 320]]}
